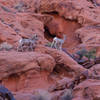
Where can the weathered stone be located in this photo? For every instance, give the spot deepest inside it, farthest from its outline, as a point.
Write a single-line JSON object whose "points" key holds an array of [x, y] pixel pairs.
{"points": [[86, 90], [17, 66]]}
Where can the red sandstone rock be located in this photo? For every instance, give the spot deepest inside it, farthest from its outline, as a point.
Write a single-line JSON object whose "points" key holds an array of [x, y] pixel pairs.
{"points": [[62, 59], [14, 26], [60, 85], [88, 89], [19, 69], [90, 37], [35, 95], [96, 69], [80, 10], [79, 20], [59, 26], [24, 96]]}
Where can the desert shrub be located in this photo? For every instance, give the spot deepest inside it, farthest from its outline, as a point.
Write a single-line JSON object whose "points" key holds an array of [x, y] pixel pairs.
{"points": [[91, 54], [5, 46], [82, 52], [21, 6], [48, 44], [67, 95]]}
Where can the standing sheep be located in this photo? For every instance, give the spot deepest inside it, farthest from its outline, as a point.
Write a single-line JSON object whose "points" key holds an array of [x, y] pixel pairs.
{"points": [[57, 42], [29, 44]]}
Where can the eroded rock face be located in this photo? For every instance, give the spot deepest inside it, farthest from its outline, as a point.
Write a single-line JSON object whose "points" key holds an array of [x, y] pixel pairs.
{"points": [[59, 26], [19, 69], [23, 96], [90, 37], [14, 64], [38, 94], [26, 71], [17, 24], [85, 12], [96, 69], [88, 89], [22, 25], [62, 59]]}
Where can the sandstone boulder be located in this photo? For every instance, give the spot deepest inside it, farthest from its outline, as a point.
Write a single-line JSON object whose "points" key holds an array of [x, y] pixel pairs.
{"points": [[86, 90], [19, 69], [62, 59]]}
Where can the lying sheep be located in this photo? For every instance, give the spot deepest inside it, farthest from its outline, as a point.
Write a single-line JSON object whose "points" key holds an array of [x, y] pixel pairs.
{"points": [[5, 46]]}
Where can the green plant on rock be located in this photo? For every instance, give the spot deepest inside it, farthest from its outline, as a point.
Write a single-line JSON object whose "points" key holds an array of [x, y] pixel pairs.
{"points": [[82, 53], [48, 44], [91, 54]]}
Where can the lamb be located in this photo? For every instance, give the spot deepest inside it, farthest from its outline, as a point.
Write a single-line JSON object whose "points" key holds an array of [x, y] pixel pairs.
{"points": [[27, 43], [57, 42]]}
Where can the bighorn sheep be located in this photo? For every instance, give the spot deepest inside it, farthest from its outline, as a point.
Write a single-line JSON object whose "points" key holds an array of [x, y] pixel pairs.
{"points": [[57, 42], [27, 43]]}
